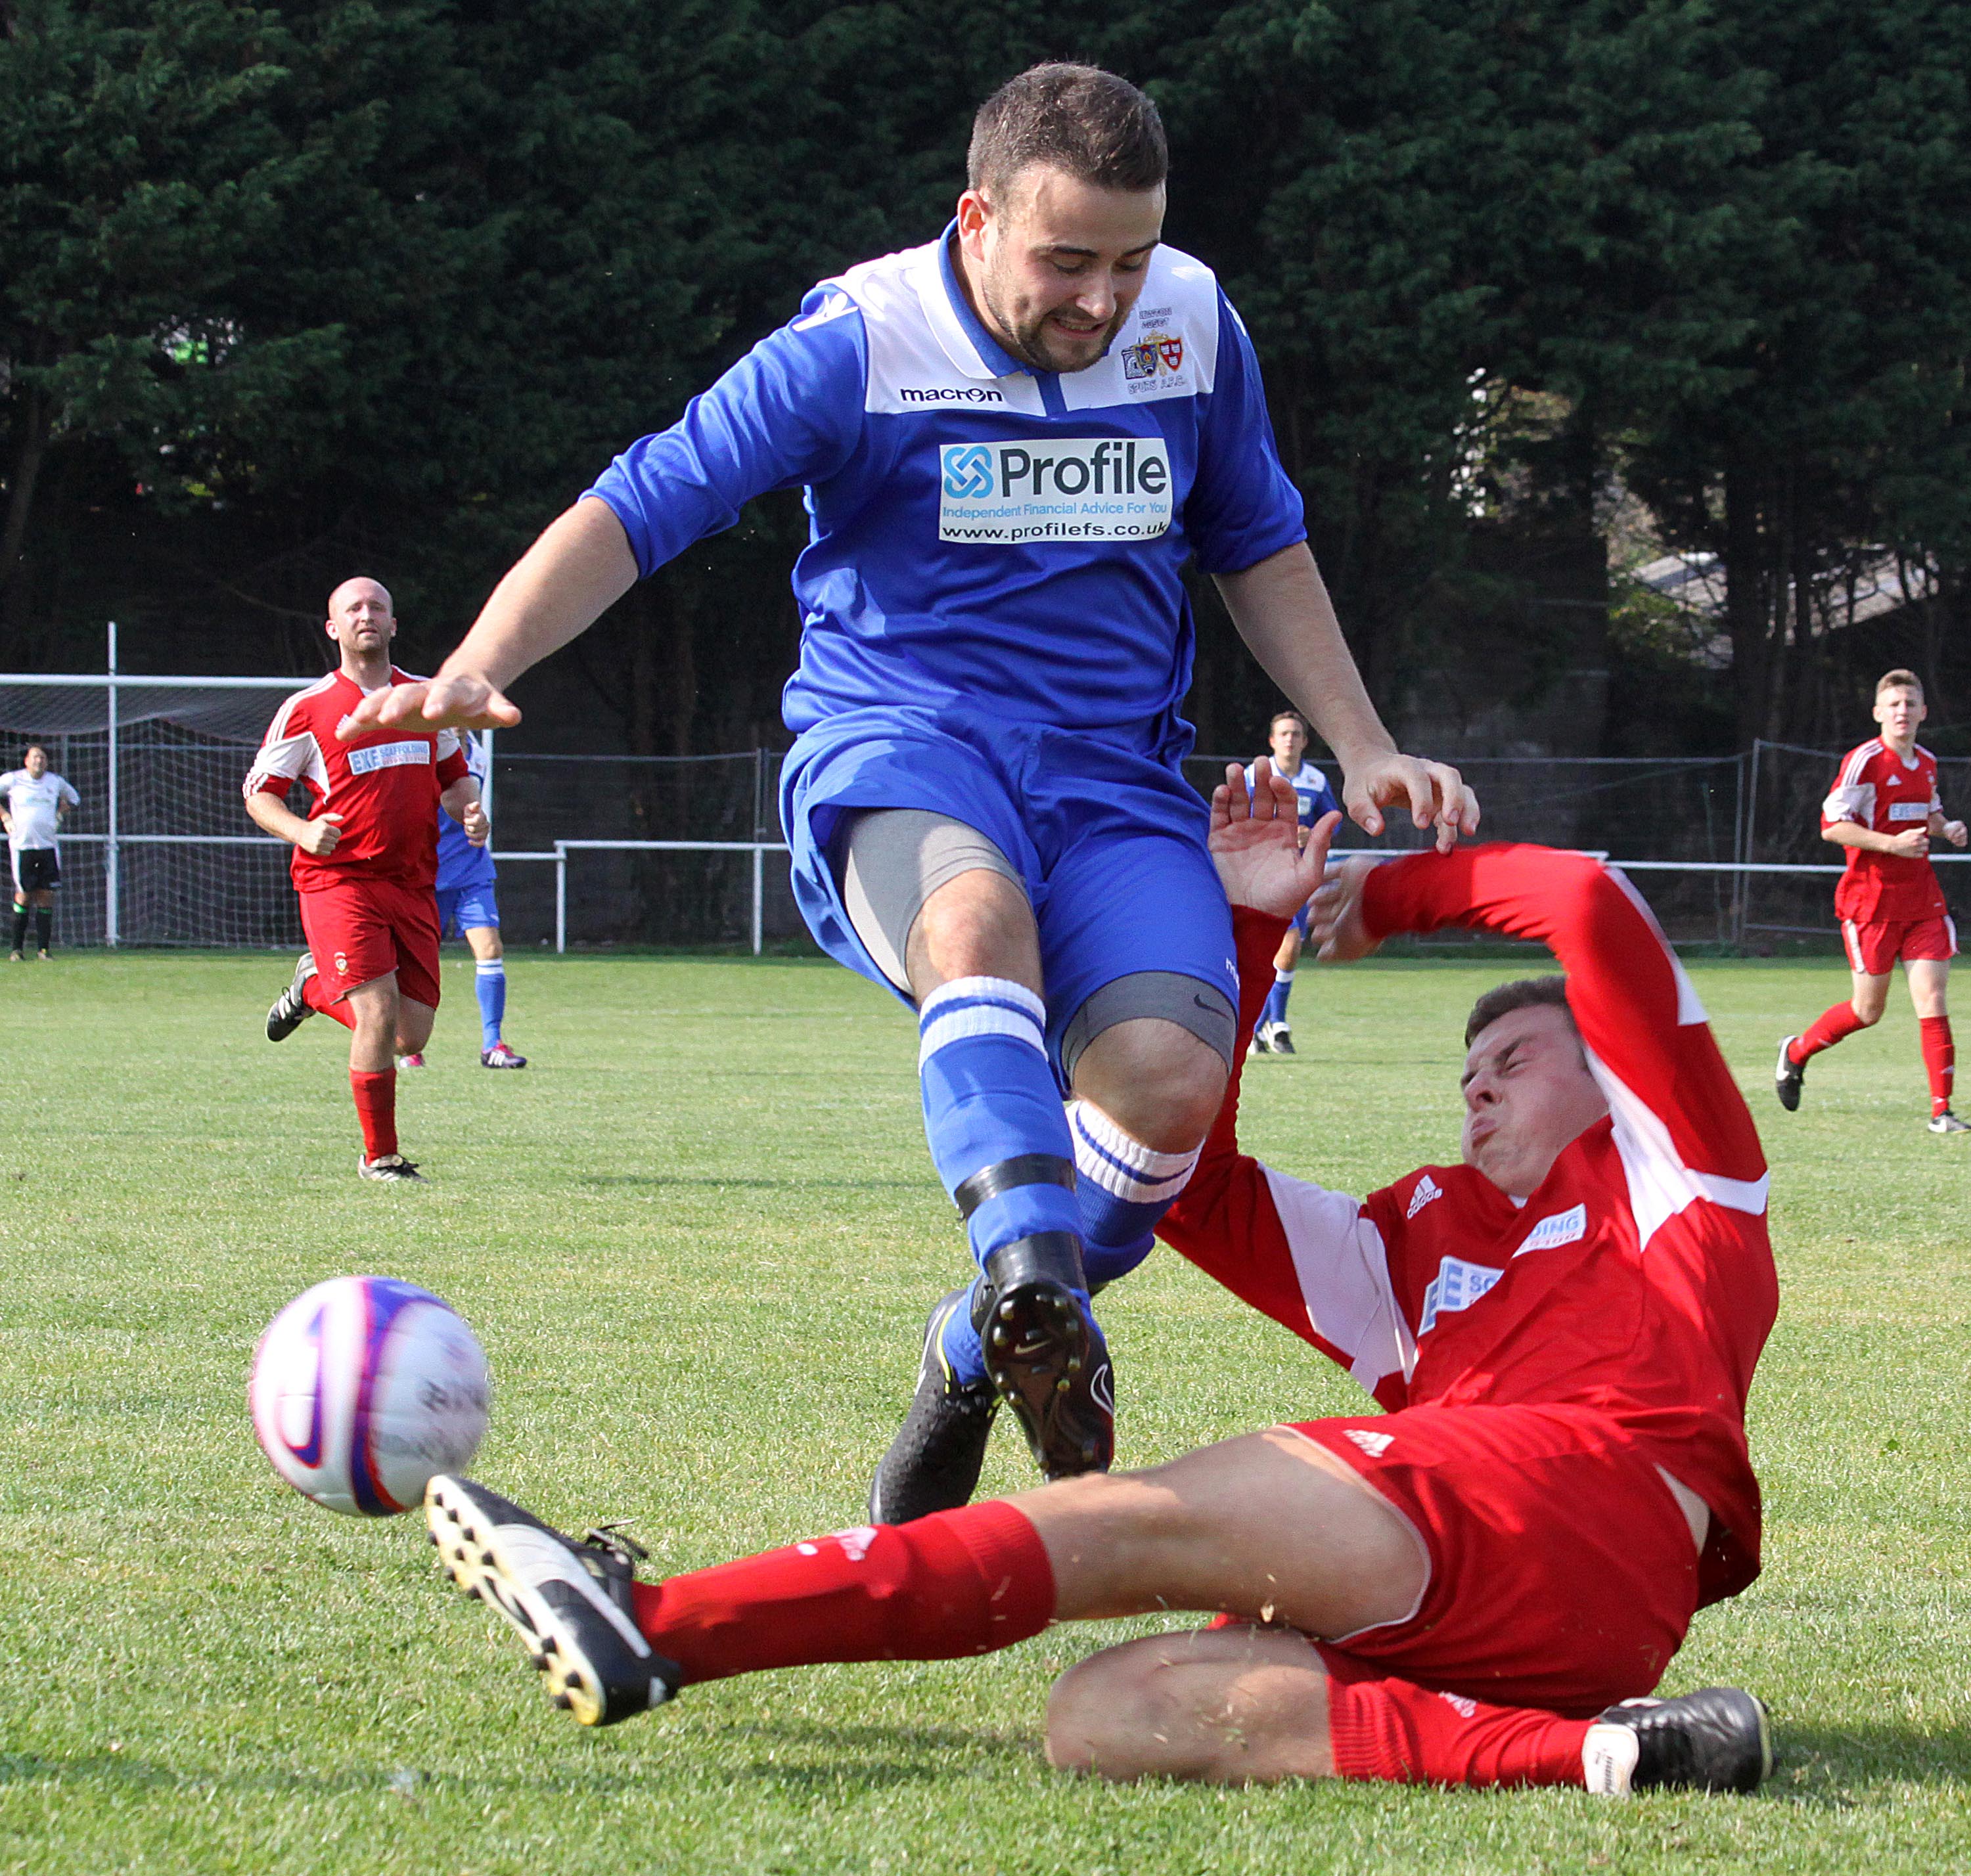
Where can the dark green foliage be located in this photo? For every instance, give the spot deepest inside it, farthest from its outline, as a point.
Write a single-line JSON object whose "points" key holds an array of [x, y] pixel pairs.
{"points": [[288, 292]]}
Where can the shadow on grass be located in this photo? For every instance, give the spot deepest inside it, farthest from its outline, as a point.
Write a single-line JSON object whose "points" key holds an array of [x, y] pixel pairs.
{"points": [[1834, 1765], [830, 1755]]}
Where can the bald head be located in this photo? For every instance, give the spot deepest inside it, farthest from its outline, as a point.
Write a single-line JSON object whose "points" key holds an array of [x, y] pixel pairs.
{"points": [[361, 621]]}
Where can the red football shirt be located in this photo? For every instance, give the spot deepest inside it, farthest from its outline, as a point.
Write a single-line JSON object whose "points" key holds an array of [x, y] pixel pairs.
{"points": [[1875, 787], [1637, 1280], [385, 785]]}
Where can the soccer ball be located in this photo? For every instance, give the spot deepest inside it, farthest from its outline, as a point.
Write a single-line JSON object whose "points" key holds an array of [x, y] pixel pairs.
{"points": [[363, 1387]]}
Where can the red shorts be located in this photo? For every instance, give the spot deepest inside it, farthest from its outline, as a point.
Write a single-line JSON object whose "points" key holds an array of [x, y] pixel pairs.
{"points": [[1873, 950], [362, 928], [1562, 1574]]}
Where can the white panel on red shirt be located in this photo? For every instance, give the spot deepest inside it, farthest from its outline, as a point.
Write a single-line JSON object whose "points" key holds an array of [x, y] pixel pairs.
{"points": [[1637, 1279], [385, 784], [1876, 789]]}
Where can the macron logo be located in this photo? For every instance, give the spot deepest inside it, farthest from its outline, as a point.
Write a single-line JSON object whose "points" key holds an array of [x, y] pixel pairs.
{"points": [[1427, 1189], [1374, 1445], [1562, 1228], [952, 394]]}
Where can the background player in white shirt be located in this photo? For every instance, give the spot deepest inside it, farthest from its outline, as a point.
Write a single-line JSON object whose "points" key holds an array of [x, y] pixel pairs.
{"points": [[1286, 738], [32, 802]]}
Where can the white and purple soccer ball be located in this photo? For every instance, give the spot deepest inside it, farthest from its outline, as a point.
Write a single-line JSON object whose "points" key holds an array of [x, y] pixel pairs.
{"points": [[363, 1388]]}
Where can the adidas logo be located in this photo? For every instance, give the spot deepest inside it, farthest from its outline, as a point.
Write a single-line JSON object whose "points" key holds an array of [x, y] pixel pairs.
{"points": [[1374, 1445], [1427, 1189]]}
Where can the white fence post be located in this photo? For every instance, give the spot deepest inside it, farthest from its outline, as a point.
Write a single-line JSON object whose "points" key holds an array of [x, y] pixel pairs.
{"points": [[111, 859], [561, 897], [759, 892]]}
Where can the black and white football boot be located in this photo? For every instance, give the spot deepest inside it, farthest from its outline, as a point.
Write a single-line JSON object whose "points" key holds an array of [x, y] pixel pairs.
{"points": [[933, 1462], [1788, 1075], [1045, 1355], [568, 1599], [1717, 1739], [291, 1009], [392, 1168]]}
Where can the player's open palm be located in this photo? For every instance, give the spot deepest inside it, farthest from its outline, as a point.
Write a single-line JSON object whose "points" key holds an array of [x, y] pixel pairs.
{"points": [[1256, 841]]}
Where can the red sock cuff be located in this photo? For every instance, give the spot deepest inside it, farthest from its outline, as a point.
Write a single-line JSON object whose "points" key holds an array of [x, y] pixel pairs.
{"points": [[1011, 1561]]}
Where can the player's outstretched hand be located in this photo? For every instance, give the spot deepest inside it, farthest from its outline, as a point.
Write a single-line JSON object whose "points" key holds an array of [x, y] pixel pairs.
{"points": [[463, 702], [1437, 795], [1334, 917], [1256, 841]]}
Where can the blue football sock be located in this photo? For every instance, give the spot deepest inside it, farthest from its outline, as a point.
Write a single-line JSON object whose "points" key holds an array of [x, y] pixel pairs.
{"points": [[492, 987], [989, 1096], [1276, 1010], [1124, 1188]]}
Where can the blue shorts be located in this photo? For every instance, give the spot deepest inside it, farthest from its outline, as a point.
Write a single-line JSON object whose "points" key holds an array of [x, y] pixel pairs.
{"points": [[1106, 835], [466, 908]]}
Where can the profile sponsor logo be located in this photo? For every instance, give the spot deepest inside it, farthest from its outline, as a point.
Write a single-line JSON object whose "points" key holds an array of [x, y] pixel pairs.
{"points": [[1055, 489], [951, 394]]}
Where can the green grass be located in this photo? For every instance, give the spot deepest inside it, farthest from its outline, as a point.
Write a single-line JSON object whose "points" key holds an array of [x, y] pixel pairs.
{"points": [[697, 1238]]}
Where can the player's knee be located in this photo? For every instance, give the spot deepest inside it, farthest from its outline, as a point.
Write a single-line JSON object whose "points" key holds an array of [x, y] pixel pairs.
{"points": [[1869, 1013], [1161, 1084], [1111, 1715]]}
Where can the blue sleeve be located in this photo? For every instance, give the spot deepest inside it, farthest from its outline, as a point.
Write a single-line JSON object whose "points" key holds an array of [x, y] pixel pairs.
{"points": [[790, 412], [1243, 507]]}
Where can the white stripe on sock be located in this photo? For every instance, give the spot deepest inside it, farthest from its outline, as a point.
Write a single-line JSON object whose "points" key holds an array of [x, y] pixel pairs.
{"points": [[1144, 1176], [497, 968], [979, 1006]]}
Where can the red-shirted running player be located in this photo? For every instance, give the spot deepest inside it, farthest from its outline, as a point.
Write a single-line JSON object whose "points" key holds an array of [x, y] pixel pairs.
{"points": [[1885, 810], [366, 855], [1466, 1588]]}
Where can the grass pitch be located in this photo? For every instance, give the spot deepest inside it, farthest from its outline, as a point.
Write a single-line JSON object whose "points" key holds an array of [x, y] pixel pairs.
{"points": [[697, 1237]]}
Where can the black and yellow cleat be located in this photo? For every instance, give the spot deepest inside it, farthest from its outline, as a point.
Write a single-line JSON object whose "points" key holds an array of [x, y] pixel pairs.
{"points": [[1717, 1739], [568, 1599], [933, 1462]]}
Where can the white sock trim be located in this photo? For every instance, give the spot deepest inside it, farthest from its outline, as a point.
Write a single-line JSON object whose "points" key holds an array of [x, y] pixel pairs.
{"points": [[1281, 976], [1121, 1164], [979, 1006], [497, 967], [1608, 1756]]}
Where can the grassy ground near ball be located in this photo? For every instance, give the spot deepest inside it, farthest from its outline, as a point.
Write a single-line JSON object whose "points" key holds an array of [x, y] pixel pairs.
{"points": [[697, 1238]]}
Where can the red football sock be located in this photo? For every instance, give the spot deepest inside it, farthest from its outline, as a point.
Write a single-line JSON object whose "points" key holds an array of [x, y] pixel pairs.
{"points": [[317, 997], [376, 1092], [955, 1583], [1389, 1729], [1939, 1059], [1829, 1027]]}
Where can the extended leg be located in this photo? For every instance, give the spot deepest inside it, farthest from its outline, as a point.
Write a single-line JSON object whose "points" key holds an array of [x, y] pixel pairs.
{"points": [[1863, 1010], [1928, 984]]}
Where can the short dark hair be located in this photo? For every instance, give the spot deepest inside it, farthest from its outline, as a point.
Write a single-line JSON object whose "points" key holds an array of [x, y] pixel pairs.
{"points": [[1099, 128], [1287, 716], [1523, 993]]}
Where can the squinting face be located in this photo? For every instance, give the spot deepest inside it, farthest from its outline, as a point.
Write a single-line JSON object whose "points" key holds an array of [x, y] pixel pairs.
{"points": [[1059, 263], [1900, 712], [36, 763], [359, 615], [1527, 1094], [1289, 744]]}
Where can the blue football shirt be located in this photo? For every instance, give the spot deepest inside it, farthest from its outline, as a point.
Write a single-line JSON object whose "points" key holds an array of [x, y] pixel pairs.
{"points": [[461, 864], [981, 534]]}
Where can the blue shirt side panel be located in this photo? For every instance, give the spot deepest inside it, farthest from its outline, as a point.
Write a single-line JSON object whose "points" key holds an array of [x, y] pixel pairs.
{"points": [[1243, 507], [789, 412], [461, 864]]}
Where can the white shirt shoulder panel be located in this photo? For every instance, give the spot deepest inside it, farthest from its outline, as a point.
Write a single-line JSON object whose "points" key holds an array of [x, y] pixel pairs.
{"points": [[1168, 346], [1343, 1272]]}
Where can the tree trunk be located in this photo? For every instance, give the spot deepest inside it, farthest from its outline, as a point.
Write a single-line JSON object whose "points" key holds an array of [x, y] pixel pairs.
{"points": [[27, 471], [1747, 618]]}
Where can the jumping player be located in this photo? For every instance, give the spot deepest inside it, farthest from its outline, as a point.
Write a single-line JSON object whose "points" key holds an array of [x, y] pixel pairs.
{"points": [[1013, 438], [1286, 739], [32, 803], [1885, 809], [364, 860], [468, 905], [1474, 1586]]}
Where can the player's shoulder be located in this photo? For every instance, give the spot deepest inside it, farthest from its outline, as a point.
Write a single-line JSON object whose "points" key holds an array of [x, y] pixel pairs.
{"points": [[1430, 1195], [1862, 758], [300, 706]]}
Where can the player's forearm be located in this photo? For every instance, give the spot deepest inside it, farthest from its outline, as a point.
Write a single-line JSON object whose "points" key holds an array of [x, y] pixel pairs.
{"points": [[1283, 612], [272, 815], [578, 569], [1853, 834]]}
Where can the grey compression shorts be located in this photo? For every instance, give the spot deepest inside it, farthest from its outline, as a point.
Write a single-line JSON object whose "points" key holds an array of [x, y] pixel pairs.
{"points": [[888, 861]]}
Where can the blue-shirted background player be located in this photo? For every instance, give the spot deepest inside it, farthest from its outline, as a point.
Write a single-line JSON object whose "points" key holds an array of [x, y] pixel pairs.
{"points": [[1012, 440], [1286, 739], [468, 905]]}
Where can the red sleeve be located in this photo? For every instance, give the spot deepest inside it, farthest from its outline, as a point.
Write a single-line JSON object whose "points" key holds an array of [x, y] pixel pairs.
{"points": [[1225, 1221], [451, 767], [1636, 1010]]}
